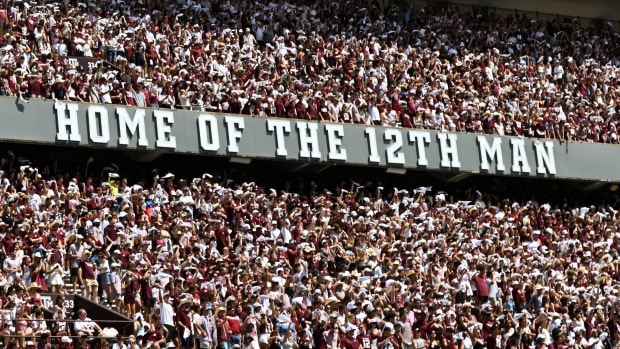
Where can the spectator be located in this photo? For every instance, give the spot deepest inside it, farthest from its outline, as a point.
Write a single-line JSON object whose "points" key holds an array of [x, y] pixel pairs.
{"points": [[44, 341], [59, 327], [76, 250], [86, 276], [119, 344], [167, 320], [84, 326], [325, 269]]}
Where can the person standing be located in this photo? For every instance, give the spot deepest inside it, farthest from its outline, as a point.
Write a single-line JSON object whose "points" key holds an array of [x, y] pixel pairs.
{"points": [[115, 282], [234, 321], [104, 276], [76, 250], [131, 287], [12, 266], [332, 334], [223, 329], [206, 329], [350, 342], [166, 314], [184, 324], [86, 276]]}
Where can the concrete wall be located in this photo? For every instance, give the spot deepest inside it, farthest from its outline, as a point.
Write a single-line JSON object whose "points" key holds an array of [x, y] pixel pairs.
{"points": [[607, 9]]}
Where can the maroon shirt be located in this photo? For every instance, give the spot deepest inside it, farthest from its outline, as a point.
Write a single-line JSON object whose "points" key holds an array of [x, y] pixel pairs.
{"points": [[365, 341], [7, 243], [351, 343], [481, 285], [88, 270], [110, 231], [154, 336]]}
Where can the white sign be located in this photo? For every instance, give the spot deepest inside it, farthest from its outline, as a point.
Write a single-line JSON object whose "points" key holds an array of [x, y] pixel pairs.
{"points": [[220, 134]]}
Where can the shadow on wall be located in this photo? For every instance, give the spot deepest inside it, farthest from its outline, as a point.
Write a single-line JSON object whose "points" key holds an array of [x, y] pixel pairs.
{"points": [[102, 315], [606, 9]]}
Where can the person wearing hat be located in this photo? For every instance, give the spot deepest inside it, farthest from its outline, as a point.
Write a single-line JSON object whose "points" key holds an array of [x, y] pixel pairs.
{"points": [[223, 329], [33, 293], [76, 250], [116, 284], [59, 90], [184, 324], [38, 270], [350, 341], [130, 287], [65, 342], [250, 343], [166, 316], [86, 277], [331, 334]]}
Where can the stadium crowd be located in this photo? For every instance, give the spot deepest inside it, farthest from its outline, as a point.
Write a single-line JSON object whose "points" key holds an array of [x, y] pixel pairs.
{"points": [[215, 263], [210, 262], [409, 67]]}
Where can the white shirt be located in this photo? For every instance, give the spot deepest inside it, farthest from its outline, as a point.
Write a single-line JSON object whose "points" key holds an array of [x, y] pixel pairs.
{"points": [[104, 93], [167, 314], [274, 233], [286, 235], [84, 325]]}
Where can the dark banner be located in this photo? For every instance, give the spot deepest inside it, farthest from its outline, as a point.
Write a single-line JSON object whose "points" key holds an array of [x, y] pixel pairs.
{"points": [[86, 62]]}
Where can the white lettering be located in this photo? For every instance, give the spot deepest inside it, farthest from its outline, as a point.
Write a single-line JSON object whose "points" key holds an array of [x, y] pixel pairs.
{"points": [[448, 152], [234, 129], [308, 137], [335, 134], [133, 125], [493, 152], [519, 158], [373, 153], [279, 127], [98, 121], [209, 134], [69, 122], [163, 129], [392, 152], [545, 157], [421, 139]]}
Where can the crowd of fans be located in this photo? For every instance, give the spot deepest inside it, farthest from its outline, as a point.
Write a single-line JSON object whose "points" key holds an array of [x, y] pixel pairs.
{"points": [[211, 262], [214, 263], [409, 67]]}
